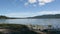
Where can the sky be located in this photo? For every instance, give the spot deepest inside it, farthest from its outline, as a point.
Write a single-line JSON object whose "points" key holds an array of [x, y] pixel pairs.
{"points": [[29, 8]]}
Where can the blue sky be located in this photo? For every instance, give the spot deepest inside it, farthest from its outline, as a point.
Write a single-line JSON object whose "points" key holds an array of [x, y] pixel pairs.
{"points": [[29, 8]]}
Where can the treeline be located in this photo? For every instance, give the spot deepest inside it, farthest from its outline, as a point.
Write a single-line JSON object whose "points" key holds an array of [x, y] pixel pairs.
{"points": [[5, 17]]}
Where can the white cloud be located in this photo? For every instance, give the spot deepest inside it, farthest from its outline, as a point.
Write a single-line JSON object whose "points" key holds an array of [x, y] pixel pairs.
{"points": [[20, 14], [32, 1], [48, 12], [31, 14], [40, 2], [43, 2], [37, 2]]}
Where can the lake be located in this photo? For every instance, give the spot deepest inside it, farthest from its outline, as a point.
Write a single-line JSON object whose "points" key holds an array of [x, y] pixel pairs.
{"points": [[55, 22]]}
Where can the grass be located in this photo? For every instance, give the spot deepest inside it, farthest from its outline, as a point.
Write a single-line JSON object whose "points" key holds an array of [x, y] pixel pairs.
{"points": [[17, 28]]}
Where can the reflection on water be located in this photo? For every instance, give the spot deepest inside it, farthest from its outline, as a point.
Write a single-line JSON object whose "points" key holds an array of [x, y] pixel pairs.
{"points": [[3, 21], [32, 21]]}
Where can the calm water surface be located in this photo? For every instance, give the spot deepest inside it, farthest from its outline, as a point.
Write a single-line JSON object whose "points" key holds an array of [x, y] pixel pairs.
{"points": [[32, 21]]}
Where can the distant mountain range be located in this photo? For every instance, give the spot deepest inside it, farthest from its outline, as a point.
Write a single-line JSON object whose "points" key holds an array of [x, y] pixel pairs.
{"points": [[43, 16], [47, 16]]}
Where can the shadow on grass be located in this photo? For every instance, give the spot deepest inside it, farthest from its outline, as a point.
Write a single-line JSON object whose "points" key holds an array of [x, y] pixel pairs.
{"points": [[49, 31], [17, 29]]}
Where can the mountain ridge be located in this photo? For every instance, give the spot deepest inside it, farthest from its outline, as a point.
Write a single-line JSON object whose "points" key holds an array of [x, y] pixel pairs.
{"points": [[42, 16], [47, 16]]}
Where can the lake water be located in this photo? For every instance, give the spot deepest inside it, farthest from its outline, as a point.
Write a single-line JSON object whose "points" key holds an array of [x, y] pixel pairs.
{"points": [[32, 21]]}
